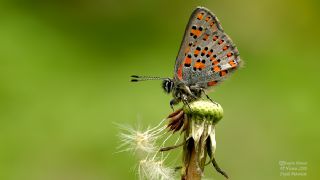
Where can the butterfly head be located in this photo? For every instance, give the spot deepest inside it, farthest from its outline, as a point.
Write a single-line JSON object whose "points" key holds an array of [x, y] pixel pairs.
{"points": [[167, 85]]}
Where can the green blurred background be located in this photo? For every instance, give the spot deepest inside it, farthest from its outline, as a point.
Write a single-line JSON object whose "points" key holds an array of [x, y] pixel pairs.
{"points": [[64, 83]]}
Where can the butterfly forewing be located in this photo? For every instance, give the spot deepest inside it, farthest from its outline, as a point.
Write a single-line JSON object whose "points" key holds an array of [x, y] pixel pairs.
{"points": [[207, 55]]}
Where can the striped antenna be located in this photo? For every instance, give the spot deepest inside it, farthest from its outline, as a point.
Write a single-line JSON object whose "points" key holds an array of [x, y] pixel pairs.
{"points": [[136, 78]]}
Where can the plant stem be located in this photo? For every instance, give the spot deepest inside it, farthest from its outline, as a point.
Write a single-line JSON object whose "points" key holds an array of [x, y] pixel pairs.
{"points": [[192, 171]]}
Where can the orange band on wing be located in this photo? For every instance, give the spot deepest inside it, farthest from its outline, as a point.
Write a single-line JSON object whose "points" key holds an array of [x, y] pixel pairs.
{"points": [[199, 65], [206, 36], [211, 23], [223, 73], [196, 32], [213, 26], [196, 53], [232, 63], [229, 54], [215, 62], [216, 68], [203, 52], [179, 73], [186, 50], [200, 16], [212, 83], [187, 60], [213, 58], [225, 48]]}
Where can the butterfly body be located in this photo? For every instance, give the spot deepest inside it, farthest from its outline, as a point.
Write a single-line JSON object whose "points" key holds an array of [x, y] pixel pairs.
{"points": [[207, 56], [180, 91]]}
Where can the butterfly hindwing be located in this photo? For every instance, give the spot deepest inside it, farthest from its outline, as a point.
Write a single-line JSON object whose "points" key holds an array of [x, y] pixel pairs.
{"points": [[207, 55], [225, 61]]}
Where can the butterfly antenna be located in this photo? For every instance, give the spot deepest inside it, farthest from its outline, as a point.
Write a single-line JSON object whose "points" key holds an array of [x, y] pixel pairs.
{"points": [[136, 78]]}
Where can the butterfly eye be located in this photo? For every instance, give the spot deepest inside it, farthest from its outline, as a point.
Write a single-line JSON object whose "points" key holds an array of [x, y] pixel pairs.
{"points": [[167, 85]]}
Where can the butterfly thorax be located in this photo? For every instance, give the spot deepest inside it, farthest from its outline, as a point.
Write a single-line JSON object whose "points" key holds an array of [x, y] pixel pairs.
{"points": [[181, 91]]}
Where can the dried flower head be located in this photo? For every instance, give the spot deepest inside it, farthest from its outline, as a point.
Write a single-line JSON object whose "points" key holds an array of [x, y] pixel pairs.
{"points": [[200, 135], [196, 121]]}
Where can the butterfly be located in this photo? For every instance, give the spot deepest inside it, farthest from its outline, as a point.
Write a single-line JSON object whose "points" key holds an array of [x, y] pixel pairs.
{"points": [[207, 56]]}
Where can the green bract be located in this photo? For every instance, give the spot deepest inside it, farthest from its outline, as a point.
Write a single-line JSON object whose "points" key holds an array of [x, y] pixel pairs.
{"points": [[204, 110]]}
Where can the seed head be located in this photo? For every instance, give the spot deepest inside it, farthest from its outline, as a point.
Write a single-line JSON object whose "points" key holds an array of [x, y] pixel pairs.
{"points": [[151, 169], [138, 140]]}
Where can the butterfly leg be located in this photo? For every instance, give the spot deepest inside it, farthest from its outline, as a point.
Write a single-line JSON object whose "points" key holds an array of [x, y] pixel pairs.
{"points": [[173, 102], [204, 92], [188, 106], [185, 101]]}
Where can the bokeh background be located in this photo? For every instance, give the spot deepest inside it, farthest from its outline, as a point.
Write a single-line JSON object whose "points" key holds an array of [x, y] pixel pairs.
{"points": [[64, 84]]}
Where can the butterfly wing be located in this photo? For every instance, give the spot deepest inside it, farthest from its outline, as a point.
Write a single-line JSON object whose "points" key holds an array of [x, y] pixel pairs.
{"points": [[207, 55]]}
